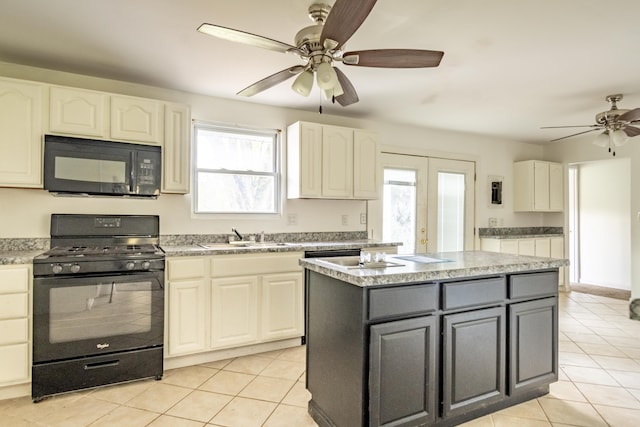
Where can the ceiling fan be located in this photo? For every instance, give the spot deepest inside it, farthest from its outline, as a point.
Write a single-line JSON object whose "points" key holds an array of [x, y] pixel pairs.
{"points": [[320, 45], [616, 123]]}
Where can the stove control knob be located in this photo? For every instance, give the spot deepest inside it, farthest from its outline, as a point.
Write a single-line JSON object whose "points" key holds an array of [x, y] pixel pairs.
{"points": [[130, 265], [57, 268], [146, 265], [75, 268]]}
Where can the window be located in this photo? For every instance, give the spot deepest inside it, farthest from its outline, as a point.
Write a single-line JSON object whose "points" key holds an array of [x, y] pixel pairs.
{"points": [[399, 208], [236, 170]]}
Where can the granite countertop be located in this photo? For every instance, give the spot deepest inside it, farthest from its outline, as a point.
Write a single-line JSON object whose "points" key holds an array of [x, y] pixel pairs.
{"points": [[228, 249], [522, 236], [18, 257], [520, 232], [448, 265]]}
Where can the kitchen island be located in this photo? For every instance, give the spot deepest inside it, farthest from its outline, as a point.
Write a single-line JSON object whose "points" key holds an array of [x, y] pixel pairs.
{"points": [[428, 339]]}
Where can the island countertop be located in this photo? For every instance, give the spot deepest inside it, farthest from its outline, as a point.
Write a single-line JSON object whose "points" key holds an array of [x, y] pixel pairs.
{"points": [[429, 267]]}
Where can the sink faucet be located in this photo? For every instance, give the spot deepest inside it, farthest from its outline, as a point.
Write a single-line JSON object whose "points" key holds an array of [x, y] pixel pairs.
{"points": [[237, 234]]}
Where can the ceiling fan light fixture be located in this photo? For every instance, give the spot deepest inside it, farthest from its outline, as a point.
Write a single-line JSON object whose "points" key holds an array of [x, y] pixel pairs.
{"points": [[303, 83], [619, 137], [326, 76], [602, 140], [333, 92]]}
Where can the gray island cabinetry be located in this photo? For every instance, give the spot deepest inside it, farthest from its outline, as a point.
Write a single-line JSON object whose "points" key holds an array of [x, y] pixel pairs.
{"points": [[429, 340]]}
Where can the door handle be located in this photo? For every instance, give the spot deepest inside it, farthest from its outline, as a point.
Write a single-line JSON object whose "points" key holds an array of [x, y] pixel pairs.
{"points": [[423, 241]]}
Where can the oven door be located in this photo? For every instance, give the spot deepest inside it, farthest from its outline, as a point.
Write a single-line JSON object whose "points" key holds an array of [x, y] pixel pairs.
{"points": [[93, 315]]}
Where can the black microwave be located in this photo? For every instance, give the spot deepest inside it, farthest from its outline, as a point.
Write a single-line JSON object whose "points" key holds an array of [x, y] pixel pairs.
{"points": [[101, 168]]}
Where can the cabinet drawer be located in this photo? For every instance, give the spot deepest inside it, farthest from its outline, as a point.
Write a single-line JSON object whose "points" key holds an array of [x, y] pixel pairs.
{"points": [[530, 285], [14, 331], [470, 293], [14, 305], [14, 279], [403, 300], [186, 268], [258, 264]]}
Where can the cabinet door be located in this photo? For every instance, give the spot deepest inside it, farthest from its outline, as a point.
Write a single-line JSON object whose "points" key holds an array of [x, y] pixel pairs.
{"points": [[77, 111], [176, 149], [15, 364], [337, 162], [533, 352], [187, 316], [234, 311], [527, 247], [367, 173], [402, 372], [282, 306], [509, 246], [20, 133], [541, 186], [543, 247], [473, 360], [136, 119], [556, 187], [304, 160]]}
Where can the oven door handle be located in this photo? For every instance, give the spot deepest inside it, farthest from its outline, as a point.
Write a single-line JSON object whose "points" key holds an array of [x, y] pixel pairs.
{"points": [[104, 364]]}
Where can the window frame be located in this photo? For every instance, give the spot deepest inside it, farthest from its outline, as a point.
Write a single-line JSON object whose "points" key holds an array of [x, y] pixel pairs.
{"points": [[275, 134]]}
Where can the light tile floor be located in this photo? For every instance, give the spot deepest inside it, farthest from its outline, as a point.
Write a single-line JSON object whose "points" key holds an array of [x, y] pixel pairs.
{"points": [[599, 386]]}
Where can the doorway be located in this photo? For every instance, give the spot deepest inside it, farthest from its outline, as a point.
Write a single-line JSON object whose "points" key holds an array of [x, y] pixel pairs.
{"points": [[600, 224], [428, 204]]}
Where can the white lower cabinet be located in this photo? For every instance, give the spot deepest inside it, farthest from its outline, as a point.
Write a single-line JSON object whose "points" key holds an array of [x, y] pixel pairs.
{"points": [[549, 247], [15, 340], [225, 301], [234, 311], [187, 305]]}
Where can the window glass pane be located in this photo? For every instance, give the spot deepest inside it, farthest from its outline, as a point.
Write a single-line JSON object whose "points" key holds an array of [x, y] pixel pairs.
{"points": [[450, 212], [236, 170], [399, 208], [221, 193], [235, 151]]}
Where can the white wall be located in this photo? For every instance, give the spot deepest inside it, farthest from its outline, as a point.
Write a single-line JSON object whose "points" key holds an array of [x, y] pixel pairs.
{"points": [[603, 205], [25, 213]]}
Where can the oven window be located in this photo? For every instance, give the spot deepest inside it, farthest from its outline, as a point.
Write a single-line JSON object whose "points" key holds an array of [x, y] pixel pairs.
{"points": [[99, 310]]}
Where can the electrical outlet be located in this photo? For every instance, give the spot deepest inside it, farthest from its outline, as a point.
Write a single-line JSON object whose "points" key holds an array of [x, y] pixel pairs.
{"points": [[363, 218], [292, 219], [493, 222], [345, 219]]}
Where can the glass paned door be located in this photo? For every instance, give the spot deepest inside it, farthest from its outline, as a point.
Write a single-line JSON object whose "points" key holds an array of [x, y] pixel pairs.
{"points": [[428, 204], [399, 220]]}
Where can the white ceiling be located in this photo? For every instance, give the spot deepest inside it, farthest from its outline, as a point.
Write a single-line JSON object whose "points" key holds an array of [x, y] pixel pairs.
{"points": [[510, 66]]}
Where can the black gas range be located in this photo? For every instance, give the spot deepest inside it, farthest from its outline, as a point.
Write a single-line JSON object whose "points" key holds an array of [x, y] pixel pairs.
{"points": [[98, 297]]}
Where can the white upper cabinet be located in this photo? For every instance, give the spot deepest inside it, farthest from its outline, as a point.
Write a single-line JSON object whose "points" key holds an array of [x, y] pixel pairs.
{"points": [[538, 186], [367, 172], [78, 112], [136, 119], [21, 133], [332, 162], [337, 162], [176, 149]]}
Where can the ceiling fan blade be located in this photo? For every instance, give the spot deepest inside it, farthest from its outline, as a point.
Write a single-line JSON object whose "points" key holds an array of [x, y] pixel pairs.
{"points": [[630, 116], [345, 18], [246, 38], [575, 134], [575, 126], [393, 58], [271, 81], [631, 131], [349, 95]]}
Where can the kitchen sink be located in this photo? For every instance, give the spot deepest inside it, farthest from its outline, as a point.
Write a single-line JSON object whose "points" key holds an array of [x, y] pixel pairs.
{"points": [[247, 244], [354, 263]]}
